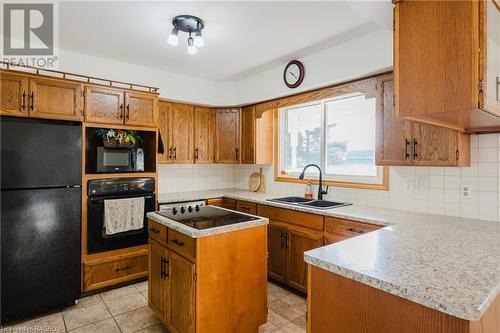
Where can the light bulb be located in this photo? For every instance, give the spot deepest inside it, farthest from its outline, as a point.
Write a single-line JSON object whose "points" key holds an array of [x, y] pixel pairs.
{"points": [[173, 38], [198, 39], [191, 48]]}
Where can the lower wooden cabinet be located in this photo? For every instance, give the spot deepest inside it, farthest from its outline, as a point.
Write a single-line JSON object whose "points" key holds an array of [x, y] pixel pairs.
{"points": [[246, 207], [277, 252], [157, 282], [106, 272], [222, 202]]}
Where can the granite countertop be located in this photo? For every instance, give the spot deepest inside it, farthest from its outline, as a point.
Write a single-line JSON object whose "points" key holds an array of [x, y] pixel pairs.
{"points": [[197, 233], [446, 263]]}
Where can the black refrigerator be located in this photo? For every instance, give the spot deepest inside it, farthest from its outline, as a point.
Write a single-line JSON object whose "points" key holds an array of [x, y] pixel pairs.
{"points": [[40, 211]]}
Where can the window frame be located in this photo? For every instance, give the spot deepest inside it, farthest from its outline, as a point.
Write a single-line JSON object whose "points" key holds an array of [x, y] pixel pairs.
{"points": [[279, 125]]}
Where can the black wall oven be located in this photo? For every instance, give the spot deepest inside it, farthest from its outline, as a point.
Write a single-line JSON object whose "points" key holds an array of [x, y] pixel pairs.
{"points": [[116, 188]]}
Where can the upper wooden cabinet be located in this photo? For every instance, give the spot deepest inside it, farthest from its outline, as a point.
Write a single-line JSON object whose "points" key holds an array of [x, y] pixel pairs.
{"points": [[227, 141], [446, 63], [256, 136], [14, 94], [176, 128], [204, 124], [403, 142], [39, 97], [115, 106]]}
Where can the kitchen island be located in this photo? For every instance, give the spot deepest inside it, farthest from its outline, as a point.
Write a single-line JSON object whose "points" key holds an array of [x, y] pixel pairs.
{"points": [[208, 270]]}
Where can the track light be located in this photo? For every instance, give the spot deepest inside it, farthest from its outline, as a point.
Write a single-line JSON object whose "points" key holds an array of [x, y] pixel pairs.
{"points": [[191, 25], [173, 38], [191, 48], [198, 39]]}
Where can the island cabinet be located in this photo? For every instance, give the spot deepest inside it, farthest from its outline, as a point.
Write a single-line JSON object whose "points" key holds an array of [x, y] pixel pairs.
{"points": [[404, 142], [256, 136], [290, 234], [227, 135], [40, 97], [447, 63], [208, 284]]}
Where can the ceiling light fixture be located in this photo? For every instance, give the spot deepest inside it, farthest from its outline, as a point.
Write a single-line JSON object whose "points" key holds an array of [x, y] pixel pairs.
{"points": [[190, 24]]}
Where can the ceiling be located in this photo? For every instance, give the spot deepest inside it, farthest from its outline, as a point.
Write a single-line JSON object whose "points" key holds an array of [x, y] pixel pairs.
{"points": [[241, 38]]}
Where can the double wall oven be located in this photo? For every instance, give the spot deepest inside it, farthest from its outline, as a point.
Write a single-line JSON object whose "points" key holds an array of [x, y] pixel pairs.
{"points": [[100, 190]]}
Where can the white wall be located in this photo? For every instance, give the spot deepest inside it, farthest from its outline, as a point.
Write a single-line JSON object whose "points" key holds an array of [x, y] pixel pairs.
{"points": [[362, 56]]}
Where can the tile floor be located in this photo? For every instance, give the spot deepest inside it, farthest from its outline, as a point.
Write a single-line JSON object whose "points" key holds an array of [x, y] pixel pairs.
{"points": [[125, 310]]}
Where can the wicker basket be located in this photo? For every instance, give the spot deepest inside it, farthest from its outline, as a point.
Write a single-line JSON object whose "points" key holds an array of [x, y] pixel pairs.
{"points": [[112, 143]]}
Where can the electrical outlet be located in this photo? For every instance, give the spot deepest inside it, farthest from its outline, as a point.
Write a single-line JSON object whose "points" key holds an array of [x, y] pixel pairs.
{"points": [[466, 191]]}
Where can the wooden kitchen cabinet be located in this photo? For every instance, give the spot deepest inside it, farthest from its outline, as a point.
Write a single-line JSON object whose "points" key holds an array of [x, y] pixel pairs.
{"points": [[404, 142], [14, 94], [180, 294], [227, 140], [55, 99], [256, 136], [157, 281], [277, 252], [104, 105], [204, 123], [141, 109], [446, 63], [164, 111]]}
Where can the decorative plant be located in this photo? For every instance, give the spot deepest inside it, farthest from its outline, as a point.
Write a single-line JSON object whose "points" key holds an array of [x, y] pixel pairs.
{"points": [[127, 138]]}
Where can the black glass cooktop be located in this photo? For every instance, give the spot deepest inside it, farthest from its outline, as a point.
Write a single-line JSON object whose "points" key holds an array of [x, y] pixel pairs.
{"points": [[206, 217]]}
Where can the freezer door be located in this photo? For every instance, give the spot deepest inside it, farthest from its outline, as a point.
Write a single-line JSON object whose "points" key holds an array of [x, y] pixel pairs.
{"points": [[40, 250], [40, 153]]}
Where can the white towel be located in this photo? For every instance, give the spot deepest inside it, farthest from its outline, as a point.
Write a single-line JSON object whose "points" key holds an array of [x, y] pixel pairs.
{"points": [[122, 215]]}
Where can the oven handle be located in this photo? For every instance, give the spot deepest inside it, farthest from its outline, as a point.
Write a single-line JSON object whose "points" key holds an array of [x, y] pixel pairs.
{"points": [[101, 199]]}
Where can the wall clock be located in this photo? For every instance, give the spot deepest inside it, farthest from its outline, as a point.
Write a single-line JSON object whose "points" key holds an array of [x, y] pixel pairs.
{"points": [[294, 74]]}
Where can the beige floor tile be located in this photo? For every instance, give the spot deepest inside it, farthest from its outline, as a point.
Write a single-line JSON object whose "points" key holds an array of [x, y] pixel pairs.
{"points": [[103, 326], [267, 328], [126, 303], [118, 293], [285, 310], [296, 326], [47, 323], [144, 293], [88, 310], [158, 328], [276, 319], [293, 299], [141, 286], [136, 320]]}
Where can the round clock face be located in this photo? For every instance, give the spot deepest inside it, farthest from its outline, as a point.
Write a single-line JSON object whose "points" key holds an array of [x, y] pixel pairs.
{"points": [[293, 74]]}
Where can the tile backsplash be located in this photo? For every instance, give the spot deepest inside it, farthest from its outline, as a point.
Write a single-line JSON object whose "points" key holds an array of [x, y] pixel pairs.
{"points": [[435, 190]]}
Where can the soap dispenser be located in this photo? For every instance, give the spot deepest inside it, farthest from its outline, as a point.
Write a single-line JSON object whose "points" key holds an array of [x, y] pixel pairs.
{"points": [[308, 194]]}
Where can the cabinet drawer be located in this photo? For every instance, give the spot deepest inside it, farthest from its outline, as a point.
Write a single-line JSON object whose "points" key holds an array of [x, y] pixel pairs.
{"points": [[246, 207], [107, 272], [311, 221], [181, 243], [348, 228], [157, 231], [330, 239]]}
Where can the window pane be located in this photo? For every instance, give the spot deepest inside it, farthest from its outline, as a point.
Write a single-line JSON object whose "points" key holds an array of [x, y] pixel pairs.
{"points": [[302, 141], [350, 135]]}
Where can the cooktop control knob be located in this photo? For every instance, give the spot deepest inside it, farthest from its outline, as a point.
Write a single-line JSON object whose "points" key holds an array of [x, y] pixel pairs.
{"points": [[197, 208], [190, 208], [183, 210], [174, 210]]}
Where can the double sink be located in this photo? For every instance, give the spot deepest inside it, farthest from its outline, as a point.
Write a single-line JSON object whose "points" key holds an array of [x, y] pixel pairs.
{"points": [[317, 204]]}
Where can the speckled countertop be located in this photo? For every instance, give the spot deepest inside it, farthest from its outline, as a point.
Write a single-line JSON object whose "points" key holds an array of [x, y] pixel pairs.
{"points": [[447, 263]]}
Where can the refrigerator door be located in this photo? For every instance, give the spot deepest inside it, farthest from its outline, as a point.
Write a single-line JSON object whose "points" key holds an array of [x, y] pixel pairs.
{"points": [[40, 250], [40, 153]]}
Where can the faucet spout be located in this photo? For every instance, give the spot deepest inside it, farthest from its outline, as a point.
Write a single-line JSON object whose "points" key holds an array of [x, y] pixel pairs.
{"points": [[320, 188]]}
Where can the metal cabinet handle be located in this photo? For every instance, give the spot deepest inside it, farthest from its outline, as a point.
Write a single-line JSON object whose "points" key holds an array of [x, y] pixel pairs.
{"points": [[175, 153], [121, 111], [177, 242], [236, 150], [23, 106], [122, 269], [127, 116], [154, 230], [415, 155], [170, 153], [162, 268], [358, 231], [32, 107], [282, 240], [196, 151], [406, 142], [286, 241]]}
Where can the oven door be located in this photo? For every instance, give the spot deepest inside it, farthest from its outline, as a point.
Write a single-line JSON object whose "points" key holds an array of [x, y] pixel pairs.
{"points": [[115, 160], [98, 241]]}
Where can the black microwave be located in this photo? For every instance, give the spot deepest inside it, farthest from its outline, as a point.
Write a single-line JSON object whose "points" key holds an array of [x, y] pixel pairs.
{"points": [[119, 159]]}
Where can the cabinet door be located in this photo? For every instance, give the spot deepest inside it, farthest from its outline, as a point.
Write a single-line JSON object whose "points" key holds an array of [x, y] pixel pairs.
{"points": [[157, 279], [248, 135], [227, 135], [203, 135], [436, 146], [14, 94], [181, 294], [164, 113], [141, 109], [278, 253], [489, 98], [299, 242], [393, 133], [55, 99], [181, 125], [104, 105]]}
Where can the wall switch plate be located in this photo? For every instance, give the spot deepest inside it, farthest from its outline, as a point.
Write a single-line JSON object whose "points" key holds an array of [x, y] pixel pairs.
{"points": [[466, 191]]}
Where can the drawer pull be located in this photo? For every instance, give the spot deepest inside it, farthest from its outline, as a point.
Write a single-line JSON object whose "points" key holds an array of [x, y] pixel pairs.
{"points": [[122, 268], [177, 242], [154, 230], [358, 231]]}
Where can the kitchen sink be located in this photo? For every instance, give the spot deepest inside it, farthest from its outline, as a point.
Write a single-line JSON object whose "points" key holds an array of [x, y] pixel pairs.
{"points": [[318, 204]]}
